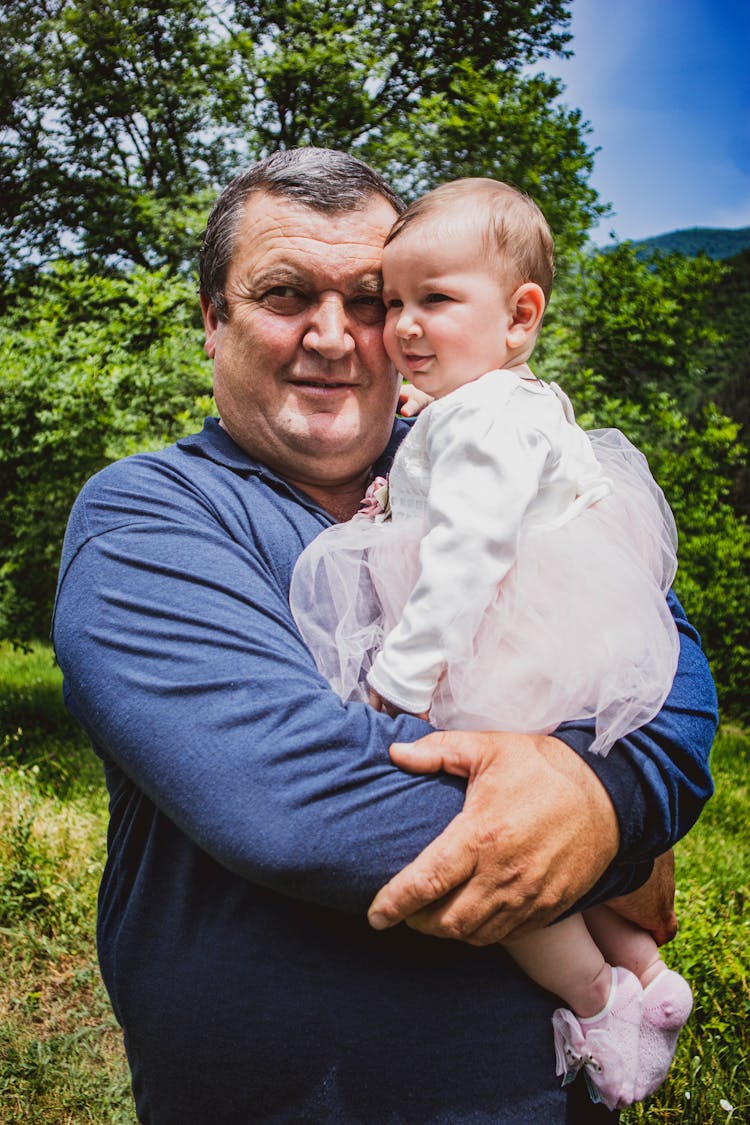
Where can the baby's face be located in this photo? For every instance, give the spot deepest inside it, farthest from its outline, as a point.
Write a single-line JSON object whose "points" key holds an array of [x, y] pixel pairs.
{"points": [[447, 310]]}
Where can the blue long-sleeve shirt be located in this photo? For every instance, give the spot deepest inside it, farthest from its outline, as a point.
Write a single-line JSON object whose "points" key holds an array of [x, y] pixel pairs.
{"points": [[250, 807]]}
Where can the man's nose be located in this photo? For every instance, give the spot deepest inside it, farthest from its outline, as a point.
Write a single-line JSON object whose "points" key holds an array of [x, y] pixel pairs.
{"points": [[329, 332]]}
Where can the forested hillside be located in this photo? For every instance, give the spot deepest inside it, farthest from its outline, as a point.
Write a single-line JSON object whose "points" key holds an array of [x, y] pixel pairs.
{"points": [[716, 242]]}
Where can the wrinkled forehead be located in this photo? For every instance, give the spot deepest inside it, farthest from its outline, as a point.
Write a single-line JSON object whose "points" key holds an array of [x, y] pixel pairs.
{"points": [[276, 233]]}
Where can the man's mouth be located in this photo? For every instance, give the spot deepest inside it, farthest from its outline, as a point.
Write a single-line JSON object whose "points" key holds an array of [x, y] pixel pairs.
{"points": [[323, 384]]}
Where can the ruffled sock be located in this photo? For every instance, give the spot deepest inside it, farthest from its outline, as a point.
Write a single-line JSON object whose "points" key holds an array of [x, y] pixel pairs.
{"points": [[604, 1046], [667, 1003]]}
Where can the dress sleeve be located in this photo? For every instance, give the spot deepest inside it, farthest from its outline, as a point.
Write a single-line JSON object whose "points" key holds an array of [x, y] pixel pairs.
{"points": [[484, 473]]}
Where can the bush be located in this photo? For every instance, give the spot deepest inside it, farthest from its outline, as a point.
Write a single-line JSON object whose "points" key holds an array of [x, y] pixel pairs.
{"points": [[91, 368]]}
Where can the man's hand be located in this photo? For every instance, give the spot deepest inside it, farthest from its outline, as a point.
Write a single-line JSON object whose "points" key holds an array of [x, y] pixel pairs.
{"points": [[536, 832], [652, 906]]}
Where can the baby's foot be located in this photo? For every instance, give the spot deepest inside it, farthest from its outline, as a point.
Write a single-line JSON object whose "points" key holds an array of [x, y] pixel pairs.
{"points": [[667, 1003], [605, 1046]]}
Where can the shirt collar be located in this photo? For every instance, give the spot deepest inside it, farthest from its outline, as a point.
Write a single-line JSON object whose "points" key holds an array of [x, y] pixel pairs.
{"points": [[214, 443]]}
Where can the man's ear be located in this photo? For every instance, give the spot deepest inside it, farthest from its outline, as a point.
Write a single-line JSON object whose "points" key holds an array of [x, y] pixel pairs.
{"points": [[527, 309], [210, 325]]}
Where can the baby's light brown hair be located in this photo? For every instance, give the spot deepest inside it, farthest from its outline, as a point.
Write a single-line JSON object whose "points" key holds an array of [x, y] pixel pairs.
{"points": [[513, 229]]}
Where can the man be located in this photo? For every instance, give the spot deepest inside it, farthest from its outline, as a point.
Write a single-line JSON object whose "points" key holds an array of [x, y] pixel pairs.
{"points": [[253, 815]]}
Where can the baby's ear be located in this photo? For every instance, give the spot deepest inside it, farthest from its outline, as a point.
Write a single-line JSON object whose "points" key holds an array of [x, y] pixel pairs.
{"points": [[527, 309]]}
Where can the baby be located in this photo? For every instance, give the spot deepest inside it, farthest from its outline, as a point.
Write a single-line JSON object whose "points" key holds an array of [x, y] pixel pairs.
{"points": [[511, 576]]}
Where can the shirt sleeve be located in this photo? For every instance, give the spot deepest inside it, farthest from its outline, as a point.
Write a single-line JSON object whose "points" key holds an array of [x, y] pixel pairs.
{"points": [[183, 663], [484, 474]]}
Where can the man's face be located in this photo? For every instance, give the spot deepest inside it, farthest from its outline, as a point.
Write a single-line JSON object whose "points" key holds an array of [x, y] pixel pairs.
{"points": [[301, 377]]}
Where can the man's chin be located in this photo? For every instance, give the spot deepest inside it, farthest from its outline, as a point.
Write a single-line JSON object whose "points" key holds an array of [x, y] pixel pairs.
{"points": [[333, 439], [332, 429]]}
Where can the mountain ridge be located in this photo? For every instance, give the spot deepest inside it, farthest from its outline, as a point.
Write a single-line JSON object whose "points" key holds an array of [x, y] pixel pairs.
{"points": [[716, 242]]}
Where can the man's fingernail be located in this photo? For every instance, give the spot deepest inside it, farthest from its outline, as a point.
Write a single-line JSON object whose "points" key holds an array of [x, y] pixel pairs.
{"points": [[378, 921]]}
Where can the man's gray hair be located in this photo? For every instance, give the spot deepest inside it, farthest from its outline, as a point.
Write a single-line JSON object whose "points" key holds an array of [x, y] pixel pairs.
{"points": [[319, 178]]}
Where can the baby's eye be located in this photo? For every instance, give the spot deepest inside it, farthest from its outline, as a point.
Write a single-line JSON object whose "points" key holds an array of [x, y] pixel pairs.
{"points": [[435, 298], [394, 303]]}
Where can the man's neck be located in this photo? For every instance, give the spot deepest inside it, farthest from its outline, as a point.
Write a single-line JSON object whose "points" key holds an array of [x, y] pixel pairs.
{"points": [[340, 501]]}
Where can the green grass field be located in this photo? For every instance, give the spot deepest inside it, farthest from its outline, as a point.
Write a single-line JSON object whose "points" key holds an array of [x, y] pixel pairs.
{"points": [[61, 1058]]}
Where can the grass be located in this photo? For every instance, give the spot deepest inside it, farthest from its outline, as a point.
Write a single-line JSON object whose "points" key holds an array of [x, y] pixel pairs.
{"points": [[61, 1057], [710, 1077]]}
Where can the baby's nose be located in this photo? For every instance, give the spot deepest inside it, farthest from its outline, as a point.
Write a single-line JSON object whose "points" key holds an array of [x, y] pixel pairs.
{"points": [[407, 327]]}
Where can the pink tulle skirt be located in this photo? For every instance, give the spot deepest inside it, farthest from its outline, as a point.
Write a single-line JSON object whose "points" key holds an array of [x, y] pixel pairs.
{"points": [[578, 629]]}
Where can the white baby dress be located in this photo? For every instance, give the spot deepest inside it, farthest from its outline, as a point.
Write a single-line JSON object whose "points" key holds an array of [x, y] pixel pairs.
{"points": [[519, 580]]}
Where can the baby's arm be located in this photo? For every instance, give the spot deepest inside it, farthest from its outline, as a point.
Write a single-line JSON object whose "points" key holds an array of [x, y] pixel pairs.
{"points": [[484, 473]]}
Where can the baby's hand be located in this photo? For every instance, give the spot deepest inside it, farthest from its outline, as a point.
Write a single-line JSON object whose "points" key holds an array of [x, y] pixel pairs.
{"points": [[411, 401], [376, 700]]}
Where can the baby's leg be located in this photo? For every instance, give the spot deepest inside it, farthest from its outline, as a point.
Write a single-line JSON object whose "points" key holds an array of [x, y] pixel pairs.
{"points": [[624, 943], [667, 1000], [566, 960], [602, 1037]]}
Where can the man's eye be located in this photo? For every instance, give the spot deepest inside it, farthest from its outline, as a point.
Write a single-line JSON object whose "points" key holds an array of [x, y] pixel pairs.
{"points": [[284, 299], [369, 308]]}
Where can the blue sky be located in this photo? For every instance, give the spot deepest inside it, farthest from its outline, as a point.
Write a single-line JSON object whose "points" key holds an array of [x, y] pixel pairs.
{"points": [[665, 84]]}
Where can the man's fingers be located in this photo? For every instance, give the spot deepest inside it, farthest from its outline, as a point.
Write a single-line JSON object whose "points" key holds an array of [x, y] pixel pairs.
{"points": [[665, 932], [652, 906], [451, 858], [537, 830], [453, 917], [495, 903], [445, 864], [432, 753]]}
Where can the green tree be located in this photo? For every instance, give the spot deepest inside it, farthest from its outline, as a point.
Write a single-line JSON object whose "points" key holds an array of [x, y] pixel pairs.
{"points": [[726, 360], [110, 131], [642, 321], [91, 368], [424, 91], [119, 118]]}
